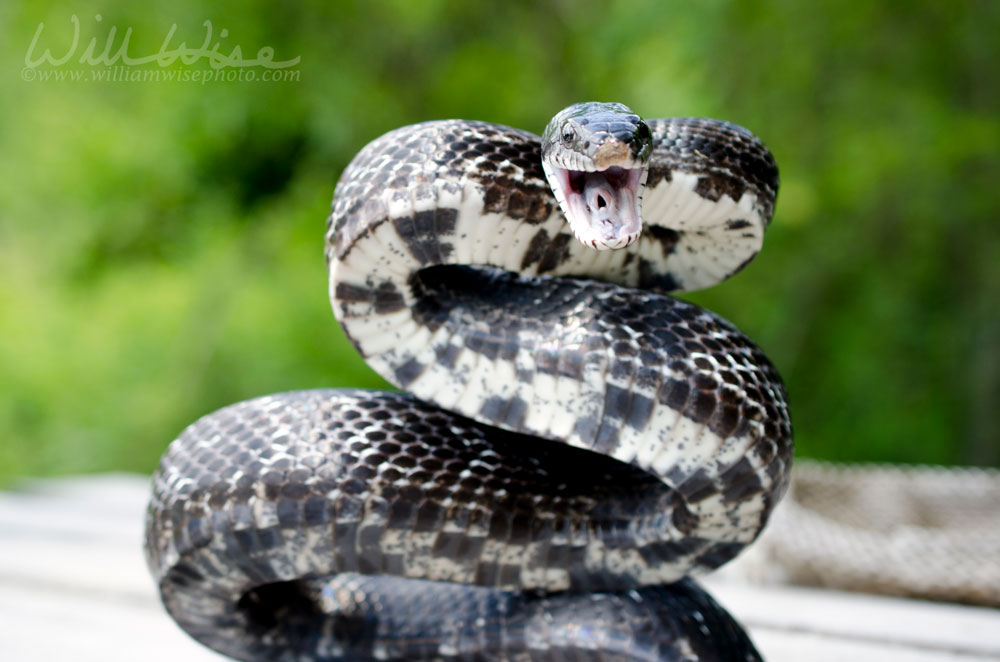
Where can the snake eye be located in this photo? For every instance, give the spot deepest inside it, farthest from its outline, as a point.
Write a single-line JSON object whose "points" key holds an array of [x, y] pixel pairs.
{"points": [[642, 141], [568, 134]]}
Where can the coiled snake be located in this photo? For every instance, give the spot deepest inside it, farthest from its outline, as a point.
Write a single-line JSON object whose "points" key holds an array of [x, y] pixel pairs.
{"points": [[592, 442]]}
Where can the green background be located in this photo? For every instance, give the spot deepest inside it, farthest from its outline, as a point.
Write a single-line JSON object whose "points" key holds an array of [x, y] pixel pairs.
{"points": [[161, 243]]}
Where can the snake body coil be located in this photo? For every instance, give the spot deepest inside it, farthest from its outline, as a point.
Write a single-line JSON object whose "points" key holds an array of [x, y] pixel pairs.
{"points": [[592, 442]]}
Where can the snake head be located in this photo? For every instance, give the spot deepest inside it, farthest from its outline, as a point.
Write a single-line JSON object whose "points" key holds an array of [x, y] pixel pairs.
{"points": [[595, 157]]}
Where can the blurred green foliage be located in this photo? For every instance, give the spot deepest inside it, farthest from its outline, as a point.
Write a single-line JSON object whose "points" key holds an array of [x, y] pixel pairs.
{"points": [[161, 243]]}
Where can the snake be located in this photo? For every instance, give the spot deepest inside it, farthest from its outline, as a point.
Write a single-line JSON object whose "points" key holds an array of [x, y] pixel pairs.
{"points": [[571, 445]]}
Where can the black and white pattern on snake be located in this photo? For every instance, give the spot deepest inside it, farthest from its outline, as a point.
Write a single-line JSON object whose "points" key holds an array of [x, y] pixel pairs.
{"points": [[592, 441]]}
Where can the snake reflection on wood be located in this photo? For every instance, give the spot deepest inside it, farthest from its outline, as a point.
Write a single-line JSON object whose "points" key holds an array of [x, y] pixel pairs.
{"points": [[574, 445]]}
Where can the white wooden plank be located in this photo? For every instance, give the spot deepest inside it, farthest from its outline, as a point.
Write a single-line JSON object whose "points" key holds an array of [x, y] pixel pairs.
{"points": [[40, 625], [73, 582], [791, 646], [83, 535], [947, 629]]}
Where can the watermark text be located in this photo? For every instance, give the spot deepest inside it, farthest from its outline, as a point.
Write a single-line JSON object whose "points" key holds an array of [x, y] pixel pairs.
{"points": [[113, 60]]}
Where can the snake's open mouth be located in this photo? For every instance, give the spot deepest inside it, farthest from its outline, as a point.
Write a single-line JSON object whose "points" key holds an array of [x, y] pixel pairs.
{"points": [[602, 206]]}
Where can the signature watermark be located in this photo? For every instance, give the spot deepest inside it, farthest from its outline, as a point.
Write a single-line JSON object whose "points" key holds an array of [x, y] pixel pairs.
{"points": [[113, 61]]}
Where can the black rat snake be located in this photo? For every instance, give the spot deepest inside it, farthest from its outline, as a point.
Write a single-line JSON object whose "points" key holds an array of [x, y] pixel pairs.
{"points": [[592, 442]]}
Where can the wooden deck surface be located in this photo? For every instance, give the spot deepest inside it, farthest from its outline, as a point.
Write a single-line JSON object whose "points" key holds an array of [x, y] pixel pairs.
{"points": [[73, 585]]}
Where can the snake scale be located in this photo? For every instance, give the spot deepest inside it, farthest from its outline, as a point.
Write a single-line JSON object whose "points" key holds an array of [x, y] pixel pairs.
{"points": [[574, 443]]}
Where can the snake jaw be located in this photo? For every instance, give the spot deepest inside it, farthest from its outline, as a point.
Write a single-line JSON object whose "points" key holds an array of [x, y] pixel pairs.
{"points": [[595, 156], [603, 206]]}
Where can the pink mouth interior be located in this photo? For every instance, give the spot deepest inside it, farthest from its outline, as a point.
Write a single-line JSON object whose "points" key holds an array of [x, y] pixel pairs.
{"points": [[603, 206]]}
